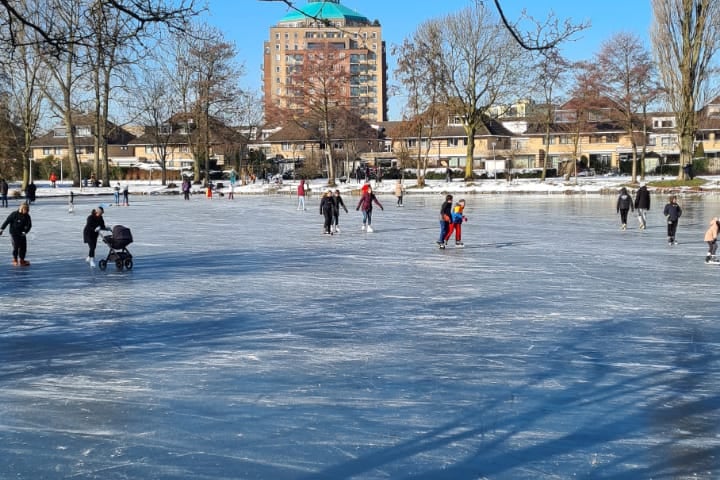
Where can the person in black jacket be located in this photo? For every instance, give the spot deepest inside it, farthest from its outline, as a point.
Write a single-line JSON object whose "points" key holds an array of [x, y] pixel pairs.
{"points": [[93, 225], [327, 209], [642, 205], [624, 205], [672, 213], [445, 216], [30, 192], [20, 224], [337, 202]]}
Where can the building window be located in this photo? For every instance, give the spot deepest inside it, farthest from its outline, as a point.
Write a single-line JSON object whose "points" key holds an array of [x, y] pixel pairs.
{"points": [[60, 132], [48, 151], [83, 131], [149, 149]]}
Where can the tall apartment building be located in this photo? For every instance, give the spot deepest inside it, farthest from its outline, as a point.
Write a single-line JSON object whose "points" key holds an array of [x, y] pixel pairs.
{"points": [[357, 41]]}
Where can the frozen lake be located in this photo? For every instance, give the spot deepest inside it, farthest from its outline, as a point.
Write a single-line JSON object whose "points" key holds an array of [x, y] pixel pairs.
{"points": [[244, 344]]}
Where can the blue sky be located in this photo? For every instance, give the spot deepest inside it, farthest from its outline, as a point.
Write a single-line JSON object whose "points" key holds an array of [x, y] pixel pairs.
{"points": [[246, 22]]}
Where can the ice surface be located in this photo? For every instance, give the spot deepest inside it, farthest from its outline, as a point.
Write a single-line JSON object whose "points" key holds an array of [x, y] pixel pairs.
{"points": [[244, 344]]}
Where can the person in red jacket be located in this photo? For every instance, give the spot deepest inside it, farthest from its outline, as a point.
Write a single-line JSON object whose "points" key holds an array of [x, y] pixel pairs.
{"points": [[365, 203]]}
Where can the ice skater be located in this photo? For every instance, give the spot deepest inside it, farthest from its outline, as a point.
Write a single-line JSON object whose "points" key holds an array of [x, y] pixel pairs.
{"points": [[711, 235], [71, 205], [456, 220], [93, 225], [327, 210], [399, 192], [642, 205], [445, 218], [624, 205], [365, 204], [338, 202], [20, 224], [672, 212], [301, 195]]}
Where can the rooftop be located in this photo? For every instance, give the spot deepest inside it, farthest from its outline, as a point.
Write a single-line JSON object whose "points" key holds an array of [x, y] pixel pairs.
{"points": [[326, 10]]}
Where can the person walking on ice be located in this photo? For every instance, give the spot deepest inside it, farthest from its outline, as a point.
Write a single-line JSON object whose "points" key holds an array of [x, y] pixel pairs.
{"points": [[93, 225], [20, 224], [711, 235], [338, 202], [624, 205], [642, 205], [399, 192], [672, 212], [327, 210], [365, 204], [301, 195], [456, 221], [445, 218]]}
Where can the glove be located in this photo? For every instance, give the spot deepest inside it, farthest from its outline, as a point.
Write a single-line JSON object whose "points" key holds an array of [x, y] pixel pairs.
{"points": [[357, 209], [97, 229], [464, 218]]}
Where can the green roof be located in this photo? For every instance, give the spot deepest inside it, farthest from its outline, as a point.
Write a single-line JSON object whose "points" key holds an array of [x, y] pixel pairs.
{"points": [[324, 9]]}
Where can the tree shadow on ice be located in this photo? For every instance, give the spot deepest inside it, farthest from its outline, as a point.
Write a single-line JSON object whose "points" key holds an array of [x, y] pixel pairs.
{"points": [[586, 411]]}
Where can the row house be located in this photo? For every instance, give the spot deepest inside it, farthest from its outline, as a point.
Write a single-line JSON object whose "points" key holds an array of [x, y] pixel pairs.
{"points": [[53, 146], [591, 136], [293, 145], [144, 147]]}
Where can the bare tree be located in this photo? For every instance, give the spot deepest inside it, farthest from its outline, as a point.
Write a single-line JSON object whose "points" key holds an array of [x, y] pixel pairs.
{"points": [[686, 38], [206, 78], [550, 77], [317, 92], [421, 74], [25, 81], [66, 72], [481, 66], [54, 37], [628, 77], [549, 32]]}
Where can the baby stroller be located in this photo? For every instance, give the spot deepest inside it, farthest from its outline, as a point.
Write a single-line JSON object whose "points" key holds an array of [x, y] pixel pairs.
{"points": [[121, 237]]}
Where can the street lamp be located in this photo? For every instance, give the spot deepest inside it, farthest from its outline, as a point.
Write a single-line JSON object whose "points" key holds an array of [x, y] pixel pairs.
{"points": [[494, 164], [30, 162]]}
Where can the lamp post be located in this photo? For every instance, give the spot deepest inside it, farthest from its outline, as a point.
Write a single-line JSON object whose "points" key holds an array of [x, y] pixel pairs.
{"points": [[30, 162], [494, 164]]}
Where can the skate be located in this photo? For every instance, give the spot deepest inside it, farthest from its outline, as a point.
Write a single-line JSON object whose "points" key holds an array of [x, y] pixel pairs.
{"points": [[459, 245], [363, 227], [624, 226], [370, 229], [24, 263]]}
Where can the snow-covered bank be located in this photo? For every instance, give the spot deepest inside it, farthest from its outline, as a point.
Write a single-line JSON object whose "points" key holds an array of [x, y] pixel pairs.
{"points": [[584, 185]]}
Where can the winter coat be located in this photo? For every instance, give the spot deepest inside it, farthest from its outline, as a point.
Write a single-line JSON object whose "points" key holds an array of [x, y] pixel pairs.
{"points": [[4, 187], [399, 189], [457, 214], [446, 211], [624, 201], [327, 206], [672, 211], [30, 191], [712, 232], [301, 189], [93, 221], [338, 202], [20, 223], [366, 201], [642, 198]]}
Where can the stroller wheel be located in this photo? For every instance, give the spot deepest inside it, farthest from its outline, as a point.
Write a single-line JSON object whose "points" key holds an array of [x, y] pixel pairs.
{"points": [[102, 264], [119, 264], [128, 263]]}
